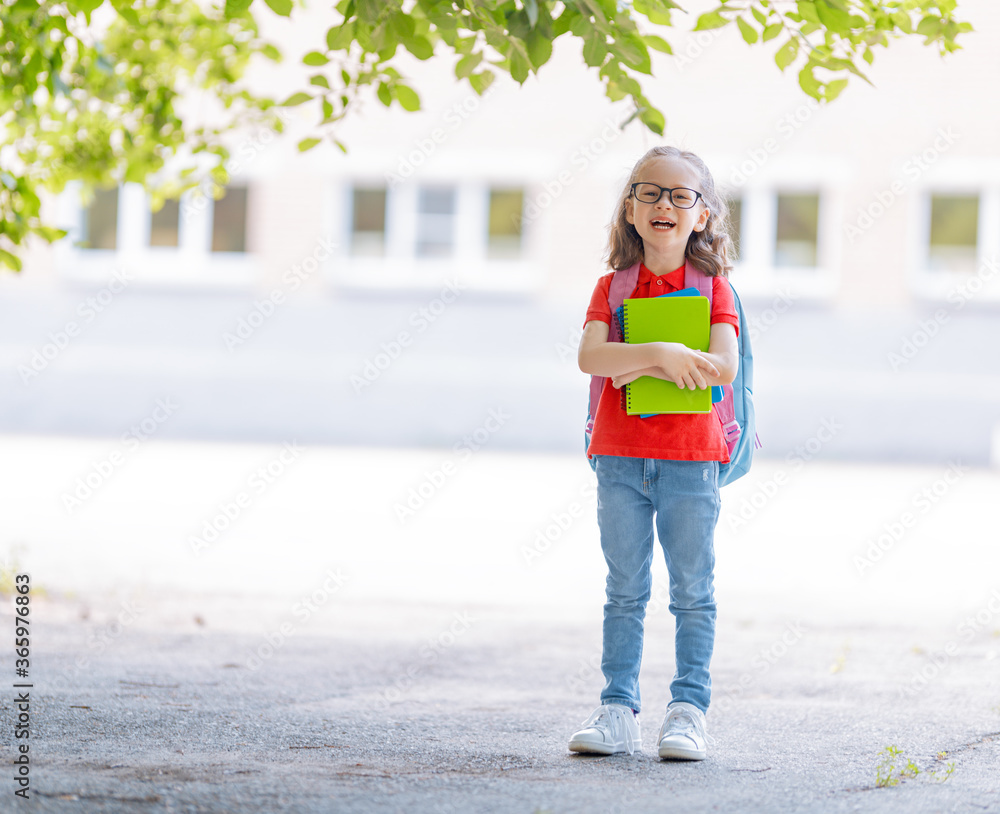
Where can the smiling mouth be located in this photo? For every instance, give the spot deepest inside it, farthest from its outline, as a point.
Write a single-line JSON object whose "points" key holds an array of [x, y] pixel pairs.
{"points": [[662, 224]]}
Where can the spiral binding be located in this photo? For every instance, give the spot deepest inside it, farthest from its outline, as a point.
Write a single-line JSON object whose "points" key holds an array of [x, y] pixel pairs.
{"points": [[627, 389]]}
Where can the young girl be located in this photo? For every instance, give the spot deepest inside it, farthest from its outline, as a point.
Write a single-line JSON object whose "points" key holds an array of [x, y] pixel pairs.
{"points": [[663, 469]]}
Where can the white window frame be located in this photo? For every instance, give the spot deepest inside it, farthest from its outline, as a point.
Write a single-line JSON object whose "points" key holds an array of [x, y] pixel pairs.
{"points": [[956, 176], [399, 267], [190, 263], [755, 273]]}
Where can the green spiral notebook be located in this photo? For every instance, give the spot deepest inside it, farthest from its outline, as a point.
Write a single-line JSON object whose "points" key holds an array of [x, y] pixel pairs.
{"points": [[666, 319]]}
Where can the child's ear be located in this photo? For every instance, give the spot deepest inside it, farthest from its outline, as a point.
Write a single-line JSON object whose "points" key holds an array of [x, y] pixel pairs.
{"points": [[629, 215], [702, 220]]}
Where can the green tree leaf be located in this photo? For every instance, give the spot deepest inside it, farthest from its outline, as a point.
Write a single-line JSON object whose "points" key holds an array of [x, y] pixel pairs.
{"points": [[466, 65], [539, 48], [481, 81], [519, 66], [315, 59], [710, 19], [929, 26], [407, 97], [10, 260], [633, 51], [308, 144], [658, 13], [531, 8], [403, 25], [748, 31], [653, 119], [808, 81], [786, 54], [833, 18], [657, 43], [807, 8], [771, 32], [296, 99], [282, 7], [85, 6], [902, 19], [420, 47], [594, 50], [235, 8], [833, 89], [340, 37]]}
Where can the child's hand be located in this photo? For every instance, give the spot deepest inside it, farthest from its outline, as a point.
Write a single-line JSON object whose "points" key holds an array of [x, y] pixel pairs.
{"points": [[685, 367], [627, 378]]}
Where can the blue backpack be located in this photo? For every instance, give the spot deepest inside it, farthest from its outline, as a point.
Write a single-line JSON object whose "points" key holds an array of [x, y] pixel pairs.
{"points": [[735, 410]]}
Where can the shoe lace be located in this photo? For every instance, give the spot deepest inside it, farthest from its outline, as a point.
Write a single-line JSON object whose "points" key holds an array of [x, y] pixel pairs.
{"points": [[612, 720], [680, 723]]}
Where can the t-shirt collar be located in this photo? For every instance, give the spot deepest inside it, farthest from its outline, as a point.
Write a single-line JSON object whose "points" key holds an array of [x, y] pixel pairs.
{"points": [[673, 278]]}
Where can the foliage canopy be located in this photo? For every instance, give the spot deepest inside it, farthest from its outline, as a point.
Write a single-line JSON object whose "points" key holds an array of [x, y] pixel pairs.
{"points": [[92, 89]]}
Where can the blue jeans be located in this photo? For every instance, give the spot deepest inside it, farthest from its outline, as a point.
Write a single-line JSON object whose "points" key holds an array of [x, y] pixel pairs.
{"points": [[684, 498]]}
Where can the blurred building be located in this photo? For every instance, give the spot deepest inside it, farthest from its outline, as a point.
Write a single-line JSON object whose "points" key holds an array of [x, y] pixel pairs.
{"points": [[892, 193], [868, 230]]}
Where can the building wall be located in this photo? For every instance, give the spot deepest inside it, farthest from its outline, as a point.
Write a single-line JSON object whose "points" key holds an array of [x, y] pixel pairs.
{"points": [[925, 125]]}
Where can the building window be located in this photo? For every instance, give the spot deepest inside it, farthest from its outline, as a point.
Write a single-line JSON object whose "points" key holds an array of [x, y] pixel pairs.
{"points": [[735, 226], [164, 225], [506, 221], [100, 221], [435, 221], [797, 230], [229, 221], [953, 233], [368, 228]]}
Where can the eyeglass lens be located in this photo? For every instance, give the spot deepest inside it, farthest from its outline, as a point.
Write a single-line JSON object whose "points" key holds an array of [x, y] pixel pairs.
{"points": [[680, 197]]}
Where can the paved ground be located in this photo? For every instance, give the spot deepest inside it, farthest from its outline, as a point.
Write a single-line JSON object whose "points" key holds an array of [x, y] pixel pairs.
{"points": [[325, 654], [379, 709]]}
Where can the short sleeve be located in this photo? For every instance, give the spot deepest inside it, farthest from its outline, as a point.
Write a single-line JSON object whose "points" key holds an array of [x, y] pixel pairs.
{"points": [[724, 304], [599, 307]]}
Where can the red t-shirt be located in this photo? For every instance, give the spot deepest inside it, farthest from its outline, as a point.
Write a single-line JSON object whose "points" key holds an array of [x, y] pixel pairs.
{"points": [[674, 436]]}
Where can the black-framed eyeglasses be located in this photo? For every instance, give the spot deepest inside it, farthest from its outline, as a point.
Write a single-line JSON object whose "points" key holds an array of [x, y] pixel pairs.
{"points": [[681, 197]]}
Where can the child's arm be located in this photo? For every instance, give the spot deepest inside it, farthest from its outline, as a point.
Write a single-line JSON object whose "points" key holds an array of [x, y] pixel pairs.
{"points": [[683, 366], [723, 352]]}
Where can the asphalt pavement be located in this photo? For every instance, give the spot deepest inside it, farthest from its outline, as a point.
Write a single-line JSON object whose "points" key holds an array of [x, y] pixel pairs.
{"points": [[385, 707]]}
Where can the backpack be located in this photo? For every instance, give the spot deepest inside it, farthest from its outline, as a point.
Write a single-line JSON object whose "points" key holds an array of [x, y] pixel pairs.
{"points": [[735, 410]]}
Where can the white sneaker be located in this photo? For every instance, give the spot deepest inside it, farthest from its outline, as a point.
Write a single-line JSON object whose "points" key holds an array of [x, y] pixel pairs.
{"points": [[610, 729], [682, 735]]}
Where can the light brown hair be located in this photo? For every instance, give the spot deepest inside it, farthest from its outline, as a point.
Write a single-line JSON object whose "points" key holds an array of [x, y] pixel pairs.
{"points": [[708, 250]]}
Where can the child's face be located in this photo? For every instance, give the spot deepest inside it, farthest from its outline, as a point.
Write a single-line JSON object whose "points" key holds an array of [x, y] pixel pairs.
{"points": [[651, 220]]}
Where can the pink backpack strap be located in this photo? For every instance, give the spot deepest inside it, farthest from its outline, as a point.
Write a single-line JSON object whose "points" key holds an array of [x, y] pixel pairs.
{"points": [[694, 278], [725, 409], [623, 283], [622, 286]]}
